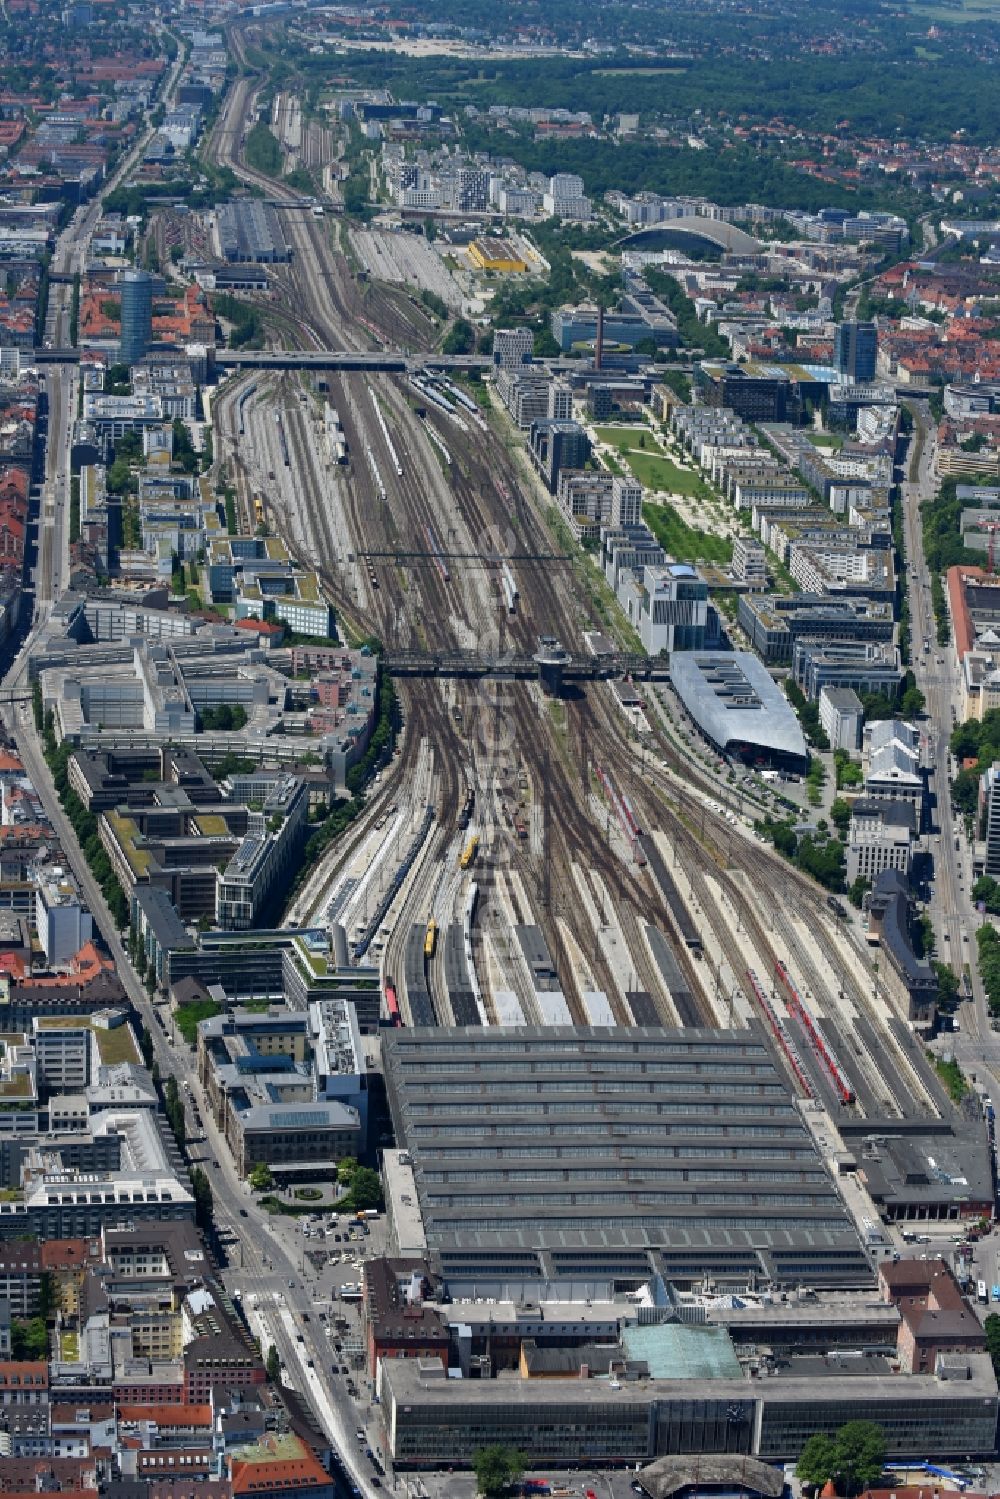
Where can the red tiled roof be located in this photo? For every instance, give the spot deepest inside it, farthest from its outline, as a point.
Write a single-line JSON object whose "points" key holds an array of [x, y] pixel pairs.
{"points": [[260, 626], [63, 1254], [166, 1415]]}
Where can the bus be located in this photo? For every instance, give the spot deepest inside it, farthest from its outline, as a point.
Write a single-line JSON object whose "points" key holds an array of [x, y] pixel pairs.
{"points": [[982, 1295]]}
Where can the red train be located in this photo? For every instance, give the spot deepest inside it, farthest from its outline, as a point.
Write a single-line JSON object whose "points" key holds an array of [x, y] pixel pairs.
{"points": [[781, 1035], [392, 1006], [819, 1043], [623, 810]]}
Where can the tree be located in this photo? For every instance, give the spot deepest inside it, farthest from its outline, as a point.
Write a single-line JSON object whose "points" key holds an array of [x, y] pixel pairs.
{"points": [[201, 1187], [461, 339], [272, 1365], [817, 1461], [496, 1467], [785, 840], [947, 981], [912, 702], [992, 1329], [29, 1340], [853, 1457], [173, 1106], [840, 815], [260, 1177], [46, 1295], [860, 1448], [366, 1188]]}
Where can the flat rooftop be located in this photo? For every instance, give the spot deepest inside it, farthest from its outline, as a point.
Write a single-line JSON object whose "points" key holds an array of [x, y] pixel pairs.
{"points": [[809, 1381]]}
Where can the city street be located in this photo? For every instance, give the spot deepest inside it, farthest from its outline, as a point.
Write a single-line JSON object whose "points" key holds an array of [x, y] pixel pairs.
{"points": [[268, 1262], [976, 1046]]}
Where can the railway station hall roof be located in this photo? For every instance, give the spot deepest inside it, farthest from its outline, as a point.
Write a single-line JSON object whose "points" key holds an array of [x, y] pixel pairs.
{"points": [[555, 1150]]}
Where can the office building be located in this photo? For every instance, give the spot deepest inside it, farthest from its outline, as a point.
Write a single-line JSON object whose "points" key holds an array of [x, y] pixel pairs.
{"points": [[560, 407], [556, 445], [892, 764], [774, 622], [629, 548], [266, 859], [565, 198], [881, 837], [989, 813], [512, 347], [622, 1411], [288, 1087], [62, 921], [136, 315], [841, 715], [866, 666], [667, 605], [525, 393], [855, 347], [756, 397], [643, 319]]}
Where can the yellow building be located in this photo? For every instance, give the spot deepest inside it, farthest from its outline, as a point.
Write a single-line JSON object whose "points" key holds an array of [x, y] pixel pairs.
{"points": [[496, 255], [157, 1333]]}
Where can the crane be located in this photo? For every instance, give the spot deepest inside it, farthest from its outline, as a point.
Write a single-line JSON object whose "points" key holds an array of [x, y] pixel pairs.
{"points": [[992, 526]]}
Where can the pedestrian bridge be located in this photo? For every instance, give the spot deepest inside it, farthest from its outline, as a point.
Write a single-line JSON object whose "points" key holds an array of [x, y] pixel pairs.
{"points": [[510, 667]]}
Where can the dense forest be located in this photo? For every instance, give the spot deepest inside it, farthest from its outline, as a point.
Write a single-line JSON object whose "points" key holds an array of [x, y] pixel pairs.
{"points": [[767, 27], [905, 95]]}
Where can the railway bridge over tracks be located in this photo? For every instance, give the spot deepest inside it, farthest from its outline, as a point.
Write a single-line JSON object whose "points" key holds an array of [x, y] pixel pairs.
{"points": [[344, 361]]}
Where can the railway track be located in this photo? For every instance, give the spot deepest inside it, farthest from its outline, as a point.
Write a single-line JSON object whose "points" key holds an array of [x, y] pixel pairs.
{"points": [[326, 306]]}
